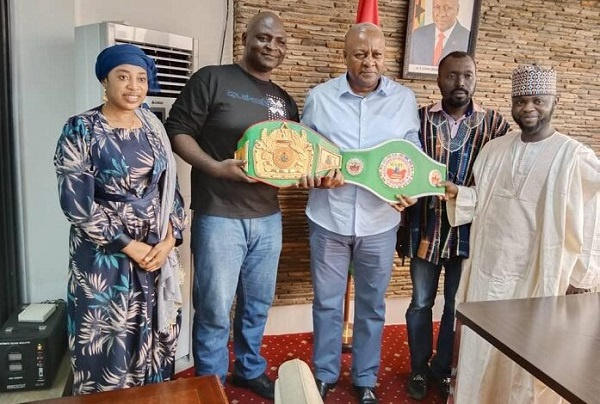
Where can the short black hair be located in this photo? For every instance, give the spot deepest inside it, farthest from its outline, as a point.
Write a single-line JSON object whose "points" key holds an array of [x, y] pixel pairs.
{"points": [[456, 55]]}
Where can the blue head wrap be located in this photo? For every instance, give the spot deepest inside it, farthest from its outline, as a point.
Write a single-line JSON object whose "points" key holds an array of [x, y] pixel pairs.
{"points": [[126, 54]]}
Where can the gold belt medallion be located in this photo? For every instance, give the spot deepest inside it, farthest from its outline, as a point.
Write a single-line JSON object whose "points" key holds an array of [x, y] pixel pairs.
{"points": [[281, 152]]}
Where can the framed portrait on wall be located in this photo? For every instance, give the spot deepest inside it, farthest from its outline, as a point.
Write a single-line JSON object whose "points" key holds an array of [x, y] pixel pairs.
{"points": [[436, 28]]}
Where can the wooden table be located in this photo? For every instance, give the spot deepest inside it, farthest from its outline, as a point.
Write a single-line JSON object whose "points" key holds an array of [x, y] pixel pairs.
{"points": [[556, 339], [195, 390]]}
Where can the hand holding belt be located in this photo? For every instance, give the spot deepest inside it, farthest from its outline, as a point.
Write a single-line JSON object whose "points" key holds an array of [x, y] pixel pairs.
{"points": [[279, 153]]}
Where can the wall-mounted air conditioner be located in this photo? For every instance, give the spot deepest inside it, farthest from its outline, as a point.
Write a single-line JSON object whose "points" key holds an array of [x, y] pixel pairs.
{"points": [[176, 58]]}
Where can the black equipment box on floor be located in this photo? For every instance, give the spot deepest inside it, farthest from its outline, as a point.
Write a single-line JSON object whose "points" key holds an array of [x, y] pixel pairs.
{"points": [[30, 352]]}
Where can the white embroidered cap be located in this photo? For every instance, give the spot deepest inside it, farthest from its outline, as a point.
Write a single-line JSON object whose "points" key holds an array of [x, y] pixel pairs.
{"points": [[533, 80]]}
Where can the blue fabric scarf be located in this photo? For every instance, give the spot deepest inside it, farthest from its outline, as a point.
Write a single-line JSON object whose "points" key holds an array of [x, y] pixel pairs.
{"points": [[126, 54]]}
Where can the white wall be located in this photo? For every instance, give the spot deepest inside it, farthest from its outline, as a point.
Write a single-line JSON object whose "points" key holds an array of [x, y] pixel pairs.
{"points": [[43, 49], [42, 40], [202, 19]]}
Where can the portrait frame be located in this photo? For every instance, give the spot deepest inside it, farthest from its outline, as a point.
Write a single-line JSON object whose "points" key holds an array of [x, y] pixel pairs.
{"points": [[420, 17]]}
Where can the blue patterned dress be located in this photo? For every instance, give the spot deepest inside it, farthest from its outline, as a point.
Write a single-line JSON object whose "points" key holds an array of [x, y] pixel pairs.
{"points": [[109, 182]]}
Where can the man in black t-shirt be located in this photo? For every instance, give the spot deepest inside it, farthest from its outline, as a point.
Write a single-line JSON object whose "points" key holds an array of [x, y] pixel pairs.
{"points": [[236, 229]]}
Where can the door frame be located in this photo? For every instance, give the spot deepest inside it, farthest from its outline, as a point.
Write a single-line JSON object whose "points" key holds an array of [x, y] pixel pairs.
{"points": [[9, 208]]}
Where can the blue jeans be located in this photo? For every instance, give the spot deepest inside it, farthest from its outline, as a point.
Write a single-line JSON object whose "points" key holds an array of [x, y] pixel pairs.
{"points": [[425, 276], [330, 256], [233, 257]]}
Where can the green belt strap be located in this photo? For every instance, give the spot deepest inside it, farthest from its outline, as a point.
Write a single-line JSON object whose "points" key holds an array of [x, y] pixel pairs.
{"points": [[395, 167], [280, 152]]}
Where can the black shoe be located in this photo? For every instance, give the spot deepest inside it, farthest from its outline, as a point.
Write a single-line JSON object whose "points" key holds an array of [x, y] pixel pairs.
{"points": [[417, 386], [366, 395], [324, 387], [443, 384], [262, 385]]}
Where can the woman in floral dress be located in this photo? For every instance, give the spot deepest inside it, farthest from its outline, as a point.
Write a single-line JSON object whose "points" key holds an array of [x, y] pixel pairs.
{"points": [[117, 187]]}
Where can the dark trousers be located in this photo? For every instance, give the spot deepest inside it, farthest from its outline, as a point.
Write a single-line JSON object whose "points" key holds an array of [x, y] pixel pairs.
{"points": [[425, 276]]}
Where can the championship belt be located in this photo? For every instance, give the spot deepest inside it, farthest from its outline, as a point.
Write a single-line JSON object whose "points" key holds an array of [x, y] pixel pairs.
{"points": [[279, 153]]}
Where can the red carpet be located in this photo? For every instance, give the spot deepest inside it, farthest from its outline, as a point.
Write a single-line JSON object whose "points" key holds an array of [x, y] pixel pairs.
{"points": [[395, 366]]}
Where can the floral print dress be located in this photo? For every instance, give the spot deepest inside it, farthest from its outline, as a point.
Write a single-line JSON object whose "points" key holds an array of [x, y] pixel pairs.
{"points": [[109, 183]]}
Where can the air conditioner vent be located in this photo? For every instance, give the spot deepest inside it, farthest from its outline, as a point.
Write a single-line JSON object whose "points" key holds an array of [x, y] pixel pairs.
{"points": [[175, 66]]}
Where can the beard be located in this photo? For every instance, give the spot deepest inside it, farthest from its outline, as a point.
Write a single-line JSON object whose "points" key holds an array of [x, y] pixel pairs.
{"points": [[455, 101], [541, 123]]}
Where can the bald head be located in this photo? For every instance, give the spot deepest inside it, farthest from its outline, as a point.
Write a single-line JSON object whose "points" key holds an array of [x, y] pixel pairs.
{"points": [[260, 17], [265, 45], [445, 13], [364, 51], [363, 29]]}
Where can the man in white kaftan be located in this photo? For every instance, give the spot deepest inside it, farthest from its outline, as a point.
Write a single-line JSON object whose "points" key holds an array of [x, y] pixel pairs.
{"points": [[535, 232]]}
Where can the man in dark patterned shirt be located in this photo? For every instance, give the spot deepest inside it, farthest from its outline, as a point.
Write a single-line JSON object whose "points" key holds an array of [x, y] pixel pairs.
{"points": [[453, 132]]}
